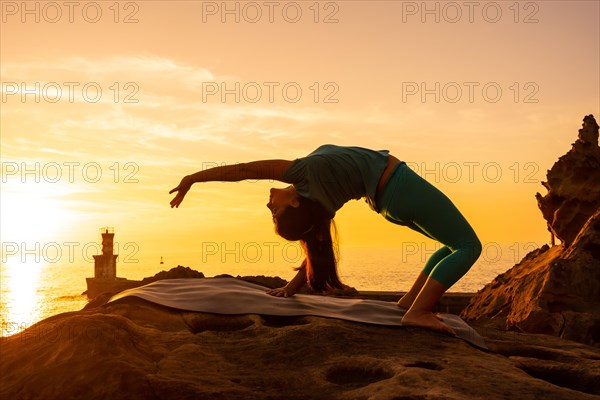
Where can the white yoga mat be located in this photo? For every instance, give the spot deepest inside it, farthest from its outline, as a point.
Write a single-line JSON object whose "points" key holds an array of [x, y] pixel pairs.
{"points": [[233, 296]]}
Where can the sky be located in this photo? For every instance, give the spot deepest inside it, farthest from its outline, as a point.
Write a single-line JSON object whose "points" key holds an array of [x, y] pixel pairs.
{"points": [[106, 105]]}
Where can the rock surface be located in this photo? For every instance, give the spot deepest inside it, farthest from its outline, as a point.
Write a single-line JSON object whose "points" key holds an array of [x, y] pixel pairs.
{"points": [[179, 272], [105, 288], [137, 350], [556, 290], [573, 185]]}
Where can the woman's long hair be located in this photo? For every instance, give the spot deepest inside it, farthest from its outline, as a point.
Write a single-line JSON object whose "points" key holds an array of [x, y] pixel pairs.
{"points": [[312, 224]]}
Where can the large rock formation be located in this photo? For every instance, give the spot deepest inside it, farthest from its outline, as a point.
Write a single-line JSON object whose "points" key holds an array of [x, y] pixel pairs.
{"points": [[573, 185], [556, 290], [138, 350]]}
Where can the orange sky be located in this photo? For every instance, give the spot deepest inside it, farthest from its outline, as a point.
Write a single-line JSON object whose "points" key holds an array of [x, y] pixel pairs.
{"points": [[124, 91]]}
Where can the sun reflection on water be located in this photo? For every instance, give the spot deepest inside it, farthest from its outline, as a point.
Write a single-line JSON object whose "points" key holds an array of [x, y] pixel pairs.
{"points": [[19, 294]]}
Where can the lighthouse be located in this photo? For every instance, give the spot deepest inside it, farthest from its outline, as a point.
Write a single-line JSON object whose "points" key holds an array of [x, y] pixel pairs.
{"points": [[105, 278], [105, 265]]}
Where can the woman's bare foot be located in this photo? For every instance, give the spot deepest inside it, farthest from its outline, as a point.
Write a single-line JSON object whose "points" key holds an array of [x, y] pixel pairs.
{"points": [[405, 304], [427, 320]]}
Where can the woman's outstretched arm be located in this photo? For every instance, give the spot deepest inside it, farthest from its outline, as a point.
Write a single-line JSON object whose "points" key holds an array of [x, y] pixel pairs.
{"points": [[265, 169]]}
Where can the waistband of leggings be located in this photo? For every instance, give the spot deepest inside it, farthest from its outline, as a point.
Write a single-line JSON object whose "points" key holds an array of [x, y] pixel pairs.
{"points": [[379, 201]]}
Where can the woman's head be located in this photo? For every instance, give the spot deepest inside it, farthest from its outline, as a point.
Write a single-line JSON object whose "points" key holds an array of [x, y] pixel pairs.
{"points": [[299, 218], [280, 199]]}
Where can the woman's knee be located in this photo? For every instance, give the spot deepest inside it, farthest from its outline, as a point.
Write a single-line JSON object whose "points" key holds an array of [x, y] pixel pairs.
{"points": [[475, 248], [471, 249]]}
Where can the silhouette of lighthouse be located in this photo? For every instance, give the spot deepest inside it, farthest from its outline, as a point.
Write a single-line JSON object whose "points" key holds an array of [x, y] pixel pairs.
{"points": [[105, 265]]}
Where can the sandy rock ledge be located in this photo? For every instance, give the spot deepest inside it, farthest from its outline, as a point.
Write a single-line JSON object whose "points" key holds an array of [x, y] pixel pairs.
{"points": [[137, 350]]}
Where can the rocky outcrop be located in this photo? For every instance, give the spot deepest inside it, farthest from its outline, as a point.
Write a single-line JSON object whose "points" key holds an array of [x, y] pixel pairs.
{"points": [[138, 350], [100, 290], [573, 185], [101, 293], [556, 290], [179, 272]]}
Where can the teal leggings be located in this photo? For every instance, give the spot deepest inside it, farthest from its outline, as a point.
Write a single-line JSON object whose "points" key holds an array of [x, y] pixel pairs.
{"points": [[410, 200]]}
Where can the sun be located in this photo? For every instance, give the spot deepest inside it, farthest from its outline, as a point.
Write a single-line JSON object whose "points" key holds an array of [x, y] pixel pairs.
{"points": [[33, 212]]}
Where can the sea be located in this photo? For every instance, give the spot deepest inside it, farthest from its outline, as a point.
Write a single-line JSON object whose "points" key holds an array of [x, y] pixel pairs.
{"points": [[33, 291]]}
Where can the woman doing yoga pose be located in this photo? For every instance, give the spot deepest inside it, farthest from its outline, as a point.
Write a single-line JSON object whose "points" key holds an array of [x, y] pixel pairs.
{"points": [[327, 178]]}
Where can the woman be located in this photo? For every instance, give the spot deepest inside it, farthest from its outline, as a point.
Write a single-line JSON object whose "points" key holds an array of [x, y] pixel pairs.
{"points": [[326, 179]]}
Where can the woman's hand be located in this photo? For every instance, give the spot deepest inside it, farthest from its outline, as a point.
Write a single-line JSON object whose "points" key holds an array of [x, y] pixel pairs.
{"points": [[281, 292], [182, 189], [294, 286]]}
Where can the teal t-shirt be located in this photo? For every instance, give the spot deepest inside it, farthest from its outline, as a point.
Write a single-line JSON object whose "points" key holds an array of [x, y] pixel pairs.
{"points": [[332, 175]]}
